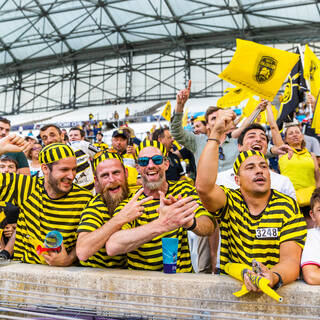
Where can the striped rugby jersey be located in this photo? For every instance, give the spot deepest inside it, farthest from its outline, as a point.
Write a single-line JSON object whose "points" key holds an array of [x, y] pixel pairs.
{"points": [[149, 255], [245, 237], [94, 216], [40, 214], [84, 151]]}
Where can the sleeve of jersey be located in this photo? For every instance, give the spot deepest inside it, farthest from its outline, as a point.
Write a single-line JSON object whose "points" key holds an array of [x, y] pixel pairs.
{"points": [[91, 218], [14, 187], [294, 227], [128, 225]]}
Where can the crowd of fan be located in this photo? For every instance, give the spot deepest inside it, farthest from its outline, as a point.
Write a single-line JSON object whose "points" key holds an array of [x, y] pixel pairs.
{"points": [[114, 204]]}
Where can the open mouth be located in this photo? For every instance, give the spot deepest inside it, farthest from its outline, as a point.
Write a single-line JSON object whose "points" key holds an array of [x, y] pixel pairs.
{"points": [[257, 147], [259, 180], [114, 189]]}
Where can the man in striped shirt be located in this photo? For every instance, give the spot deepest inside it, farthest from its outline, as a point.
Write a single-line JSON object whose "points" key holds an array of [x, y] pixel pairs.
{"points": [[256, 222], [49, 203], [162, 217], [97, 221]]}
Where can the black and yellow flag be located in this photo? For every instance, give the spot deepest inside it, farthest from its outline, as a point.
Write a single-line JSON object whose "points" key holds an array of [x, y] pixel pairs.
{"points": [[258, 68], [293, 94], [166, 113]]}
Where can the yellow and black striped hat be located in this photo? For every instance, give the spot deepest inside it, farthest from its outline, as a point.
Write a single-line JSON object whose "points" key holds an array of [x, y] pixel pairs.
{"points": [[55, 152], [104, 155], [243, 156], [154, 143]]}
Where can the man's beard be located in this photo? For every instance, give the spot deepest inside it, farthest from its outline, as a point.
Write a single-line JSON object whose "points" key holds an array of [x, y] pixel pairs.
{"points": [[53, 182], [112, 201], [153, 185]]}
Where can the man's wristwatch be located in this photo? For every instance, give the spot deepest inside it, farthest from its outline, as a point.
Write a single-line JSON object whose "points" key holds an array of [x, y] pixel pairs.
{"points": [[279, 283]]}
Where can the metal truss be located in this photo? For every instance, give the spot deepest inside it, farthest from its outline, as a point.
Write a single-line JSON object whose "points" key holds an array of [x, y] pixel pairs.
{"points": [[68, 54]]}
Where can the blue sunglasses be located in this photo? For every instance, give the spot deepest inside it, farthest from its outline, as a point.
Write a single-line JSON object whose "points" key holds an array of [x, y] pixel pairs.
{"points": [[144, 161]]}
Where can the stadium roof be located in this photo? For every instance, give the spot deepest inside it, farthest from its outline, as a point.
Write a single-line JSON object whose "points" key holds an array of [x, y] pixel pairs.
{"points": [[41, 34]]}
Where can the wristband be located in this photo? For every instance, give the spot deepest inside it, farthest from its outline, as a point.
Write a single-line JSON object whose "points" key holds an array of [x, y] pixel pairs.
{"points": [[193, 225], [213, 139], [279, 283]]}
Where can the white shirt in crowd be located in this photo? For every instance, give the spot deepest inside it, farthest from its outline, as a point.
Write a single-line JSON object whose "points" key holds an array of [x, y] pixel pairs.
{"points": [[311, 251]]}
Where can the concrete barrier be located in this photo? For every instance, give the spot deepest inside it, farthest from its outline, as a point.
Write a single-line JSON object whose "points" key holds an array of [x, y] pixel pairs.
{"points": [[147, 294]]}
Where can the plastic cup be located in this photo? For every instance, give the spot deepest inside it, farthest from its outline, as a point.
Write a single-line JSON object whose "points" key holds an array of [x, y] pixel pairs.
{"points": [[169, 254], [53, 239]]}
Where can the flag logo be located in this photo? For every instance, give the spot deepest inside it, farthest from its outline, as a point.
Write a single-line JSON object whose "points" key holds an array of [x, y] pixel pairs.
{"points": [[287, 93], [313, 69], [266, 69]]}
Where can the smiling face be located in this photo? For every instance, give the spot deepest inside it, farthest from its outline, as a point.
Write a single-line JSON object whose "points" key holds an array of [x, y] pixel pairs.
{"points": [[36, 148], [253, 176], [74, 135], [294, 137], [51, 135], [199, 127], [111, 180], [58, 180], [153, 175], [254, 139]]}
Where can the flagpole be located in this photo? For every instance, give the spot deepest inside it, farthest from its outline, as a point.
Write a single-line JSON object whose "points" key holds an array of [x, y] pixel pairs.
{"points": [[307, 81]]}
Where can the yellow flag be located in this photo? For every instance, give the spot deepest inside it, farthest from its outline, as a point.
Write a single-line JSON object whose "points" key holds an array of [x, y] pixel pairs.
{"points": [[316, 117], [233, 97], [250, 106], [166, 113], [185, 118], [2, 216], [311, 70], [258, 68]]}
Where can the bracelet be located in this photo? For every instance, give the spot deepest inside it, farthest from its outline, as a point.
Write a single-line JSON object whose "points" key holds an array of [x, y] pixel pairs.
{"points": [[193, 225], [279, 283], [213, 139]]}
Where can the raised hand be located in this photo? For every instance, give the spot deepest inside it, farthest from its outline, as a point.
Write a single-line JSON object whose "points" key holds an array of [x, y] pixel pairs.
{"points": [[177, 214], [223, 123], [134, 208], [182, 97], [12, 143]]}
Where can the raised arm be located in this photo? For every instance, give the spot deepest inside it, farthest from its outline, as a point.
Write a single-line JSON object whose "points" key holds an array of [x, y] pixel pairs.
{"points": [[211, 195], [258, 109], [186, 138]]}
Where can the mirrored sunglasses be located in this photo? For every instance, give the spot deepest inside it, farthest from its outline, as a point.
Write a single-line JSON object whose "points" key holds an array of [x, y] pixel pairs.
{"points": [[144, 161]]}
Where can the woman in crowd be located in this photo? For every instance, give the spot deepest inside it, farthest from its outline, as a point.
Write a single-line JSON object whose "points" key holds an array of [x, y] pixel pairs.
{"points": [[302, 168], [33, 159]]}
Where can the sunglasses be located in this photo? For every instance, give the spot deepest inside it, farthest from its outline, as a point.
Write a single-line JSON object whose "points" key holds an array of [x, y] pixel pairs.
{"points": [[144, 161], [221, 154]]}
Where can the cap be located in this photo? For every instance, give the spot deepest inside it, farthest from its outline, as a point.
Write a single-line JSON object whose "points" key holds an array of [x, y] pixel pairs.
{"points": [[119, 132]]}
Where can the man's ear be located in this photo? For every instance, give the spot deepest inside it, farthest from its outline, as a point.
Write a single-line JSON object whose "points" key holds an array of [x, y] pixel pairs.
{"points": [[237, 179], [312, 215], [126, 171], [166, 164], [45, 169]]}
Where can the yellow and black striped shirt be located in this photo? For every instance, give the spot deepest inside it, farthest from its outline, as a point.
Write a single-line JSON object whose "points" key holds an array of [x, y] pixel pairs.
{"points": [[94, 216], [245, 237], [40, 214], [149, 255]]}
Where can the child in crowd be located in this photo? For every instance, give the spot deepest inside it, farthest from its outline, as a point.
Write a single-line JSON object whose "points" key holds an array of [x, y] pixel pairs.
{"points": [[310, 260]]}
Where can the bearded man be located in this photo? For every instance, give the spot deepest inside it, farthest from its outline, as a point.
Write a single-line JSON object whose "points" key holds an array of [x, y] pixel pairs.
{"points": [[98, 222], [161, 217]]}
